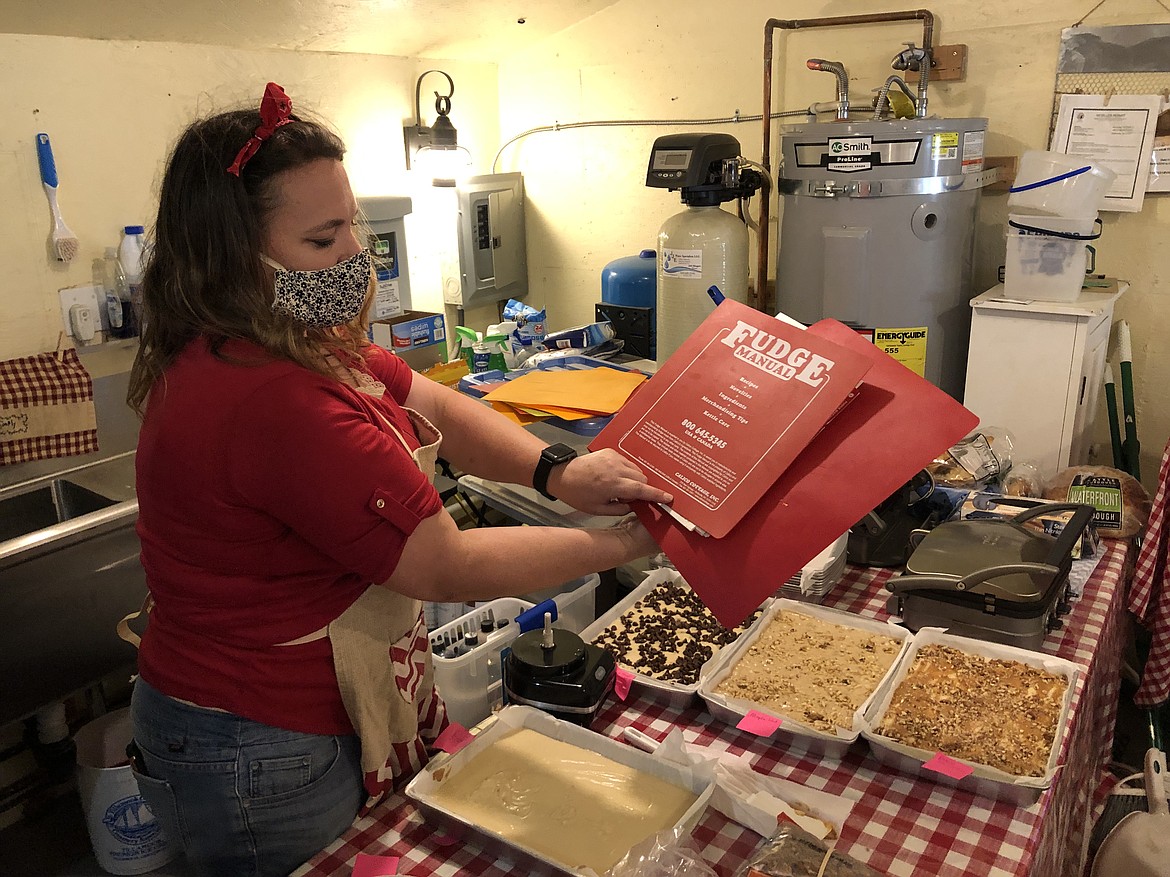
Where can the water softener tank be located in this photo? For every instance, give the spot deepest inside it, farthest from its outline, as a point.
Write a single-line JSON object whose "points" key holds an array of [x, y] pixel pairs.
{"points": [[700, 247], [878, 232]]}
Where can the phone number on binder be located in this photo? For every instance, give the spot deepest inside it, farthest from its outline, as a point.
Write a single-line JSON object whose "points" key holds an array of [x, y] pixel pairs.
{"points": [[694, 429]]}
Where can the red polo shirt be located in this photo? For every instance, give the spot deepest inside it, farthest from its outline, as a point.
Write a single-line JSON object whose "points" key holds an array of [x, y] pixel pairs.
{"points": [[269, 498]]}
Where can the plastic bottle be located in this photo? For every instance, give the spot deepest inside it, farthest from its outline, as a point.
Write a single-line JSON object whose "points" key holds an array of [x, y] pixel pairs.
{"points": [[107, 273], [131, 256]]}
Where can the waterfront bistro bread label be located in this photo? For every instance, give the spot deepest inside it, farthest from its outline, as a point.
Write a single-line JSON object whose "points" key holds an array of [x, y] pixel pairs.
{"points": [[730, 410]]}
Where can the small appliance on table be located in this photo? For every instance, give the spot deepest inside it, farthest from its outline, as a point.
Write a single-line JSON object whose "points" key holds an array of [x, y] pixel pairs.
{"points": [[556, 671], [994, 580]]}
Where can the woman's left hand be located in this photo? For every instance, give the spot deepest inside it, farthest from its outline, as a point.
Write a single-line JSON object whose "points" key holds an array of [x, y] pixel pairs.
{"points": [[603, 483]]}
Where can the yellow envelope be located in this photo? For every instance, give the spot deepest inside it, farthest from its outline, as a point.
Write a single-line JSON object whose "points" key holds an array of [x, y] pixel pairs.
{"points": [[597, 390], [516, 415]]}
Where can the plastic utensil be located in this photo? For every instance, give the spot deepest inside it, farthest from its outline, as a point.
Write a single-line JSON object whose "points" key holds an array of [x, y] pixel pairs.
{"points": [[65, 243], [1139, 845]]}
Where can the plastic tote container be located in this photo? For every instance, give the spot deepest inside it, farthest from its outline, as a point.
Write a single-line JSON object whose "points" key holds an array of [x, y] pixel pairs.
{"points": [[126, 837], [1046, 256], [1055, 184]]}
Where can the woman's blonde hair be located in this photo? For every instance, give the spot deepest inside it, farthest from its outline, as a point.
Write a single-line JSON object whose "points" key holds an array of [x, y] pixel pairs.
{"points": [[204, 276]]}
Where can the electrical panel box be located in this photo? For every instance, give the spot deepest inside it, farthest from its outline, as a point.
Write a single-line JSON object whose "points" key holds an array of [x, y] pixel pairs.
{"points": [[493, 264], [384, 218]]}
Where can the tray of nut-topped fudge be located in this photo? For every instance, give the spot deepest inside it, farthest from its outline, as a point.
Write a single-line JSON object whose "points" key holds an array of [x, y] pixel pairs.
{"points": [[663, 634], [812, 668]]}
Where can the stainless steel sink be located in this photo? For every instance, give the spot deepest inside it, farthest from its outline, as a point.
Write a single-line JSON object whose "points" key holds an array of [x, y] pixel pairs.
{"points": [[69, 570], [60, 500]]}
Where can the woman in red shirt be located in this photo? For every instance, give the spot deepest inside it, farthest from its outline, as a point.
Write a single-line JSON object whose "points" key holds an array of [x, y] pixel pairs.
{"points": [[289, 528]]}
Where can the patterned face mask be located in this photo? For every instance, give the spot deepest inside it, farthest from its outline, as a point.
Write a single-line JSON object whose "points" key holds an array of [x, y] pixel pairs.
{"points": [[328, 297]]}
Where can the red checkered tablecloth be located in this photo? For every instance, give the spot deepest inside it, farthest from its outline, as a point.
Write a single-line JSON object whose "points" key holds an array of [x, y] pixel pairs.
{"points": [[901, 825], [1149, 597]]}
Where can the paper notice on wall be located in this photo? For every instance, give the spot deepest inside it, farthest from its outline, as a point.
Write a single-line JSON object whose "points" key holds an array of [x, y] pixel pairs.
{"points": [[1159, 180], [1116, 133]]}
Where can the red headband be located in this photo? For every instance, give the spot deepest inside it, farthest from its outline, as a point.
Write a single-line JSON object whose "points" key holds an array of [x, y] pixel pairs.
{"points": [[275, 108]]}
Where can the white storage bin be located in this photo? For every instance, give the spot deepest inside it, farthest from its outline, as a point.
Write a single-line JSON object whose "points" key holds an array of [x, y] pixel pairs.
{"points": [[1059, 185], [576, 601], [470, 682], [1046, 266]]}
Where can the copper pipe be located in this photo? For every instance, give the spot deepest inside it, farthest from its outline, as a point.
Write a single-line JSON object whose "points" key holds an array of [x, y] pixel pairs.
{"points": [[770, 26]]}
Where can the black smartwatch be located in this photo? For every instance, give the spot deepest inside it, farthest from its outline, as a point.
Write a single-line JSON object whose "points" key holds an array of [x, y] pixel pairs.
{"points": [[550, 458]]}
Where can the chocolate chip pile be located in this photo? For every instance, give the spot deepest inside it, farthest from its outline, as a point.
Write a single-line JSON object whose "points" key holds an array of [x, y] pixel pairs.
{"points": [[668, 635]]}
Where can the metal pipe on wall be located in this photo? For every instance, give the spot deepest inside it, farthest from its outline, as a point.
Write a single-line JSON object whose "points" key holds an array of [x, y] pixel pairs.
{"points": [[770, 27]]}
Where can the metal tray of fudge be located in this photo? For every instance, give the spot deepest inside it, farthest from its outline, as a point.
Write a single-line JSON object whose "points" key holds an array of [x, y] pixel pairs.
{"points": [[812, 668], [663, 634]]}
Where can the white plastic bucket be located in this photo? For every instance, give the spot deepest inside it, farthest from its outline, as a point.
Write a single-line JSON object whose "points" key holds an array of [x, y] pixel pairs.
{"points": [[126, 837], [1046, 266], [1055, 184]]}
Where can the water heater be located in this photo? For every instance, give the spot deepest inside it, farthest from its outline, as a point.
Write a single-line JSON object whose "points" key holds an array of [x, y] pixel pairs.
{"points": [[878, 232]]}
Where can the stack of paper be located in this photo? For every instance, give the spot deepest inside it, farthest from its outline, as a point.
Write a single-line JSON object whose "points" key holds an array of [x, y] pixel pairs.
{"points": [[569, 394]]}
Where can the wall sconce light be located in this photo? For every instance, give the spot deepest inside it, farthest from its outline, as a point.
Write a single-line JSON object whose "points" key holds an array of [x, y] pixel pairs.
{"points": [[435, 150]]}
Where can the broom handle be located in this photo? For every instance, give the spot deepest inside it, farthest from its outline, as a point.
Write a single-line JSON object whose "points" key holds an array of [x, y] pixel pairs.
{"points": [[1114, 423]]}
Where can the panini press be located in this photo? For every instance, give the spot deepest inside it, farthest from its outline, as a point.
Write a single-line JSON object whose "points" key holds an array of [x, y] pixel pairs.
{"points": [[992, 580]]}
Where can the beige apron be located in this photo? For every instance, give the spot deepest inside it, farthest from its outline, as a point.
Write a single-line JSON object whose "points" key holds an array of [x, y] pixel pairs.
{"points": [[382, 655]]}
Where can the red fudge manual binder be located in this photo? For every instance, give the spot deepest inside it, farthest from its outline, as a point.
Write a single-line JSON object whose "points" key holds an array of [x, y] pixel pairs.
{"points": [[893, 428], [730, 410]]}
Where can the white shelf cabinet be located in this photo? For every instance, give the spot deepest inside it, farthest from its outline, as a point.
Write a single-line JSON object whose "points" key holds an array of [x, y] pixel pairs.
{"points": [[1036, 368]]}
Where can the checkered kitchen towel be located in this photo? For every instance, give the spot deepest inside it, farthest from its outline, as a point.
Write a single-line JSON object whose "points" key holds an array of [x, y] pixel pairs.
{"points": [[46, 408]]}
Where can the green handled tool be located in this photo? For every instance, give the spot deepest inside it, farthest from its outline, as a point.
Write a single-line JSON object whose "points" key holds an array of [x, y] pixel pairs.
{"points": [[1114, 423], [1131, 446]]}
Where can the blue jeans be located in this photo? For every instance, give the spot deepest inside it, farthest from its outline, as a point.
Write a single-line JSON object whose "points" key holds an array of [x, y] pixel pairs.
{"points": [[242, 798]]}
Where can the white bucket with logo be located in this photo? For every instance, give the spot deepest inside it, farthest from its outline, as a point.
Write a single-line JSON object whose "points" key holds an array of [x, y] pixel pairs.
{"points": [[126, 837]]}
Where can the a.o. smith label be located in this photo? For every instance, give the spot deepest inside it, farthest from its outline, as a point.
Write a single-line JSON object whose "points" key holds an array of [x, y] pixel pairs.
{"points": [[850, 153]]}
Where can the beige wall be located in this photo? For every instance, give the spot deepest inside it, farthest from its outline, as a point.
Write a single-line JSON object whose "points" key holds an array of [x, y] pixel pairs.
{"points": [[112, 109], [655, 59]]}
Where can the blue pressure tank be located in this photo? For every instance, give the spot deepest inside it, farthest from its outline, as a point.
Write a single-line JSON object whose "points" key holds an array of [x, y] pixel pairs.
{"points": [[629, 292]]}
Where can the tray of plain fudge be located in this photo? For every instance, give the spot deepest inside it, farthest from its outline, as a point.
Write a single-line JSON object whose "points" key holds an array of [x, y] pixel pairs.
{"points": [[962, 711]]}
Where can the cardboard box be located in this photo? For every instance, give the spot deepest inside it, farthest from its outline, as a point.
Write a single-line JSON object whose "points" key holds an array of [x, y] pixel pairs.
{"points": [[418, 337]]}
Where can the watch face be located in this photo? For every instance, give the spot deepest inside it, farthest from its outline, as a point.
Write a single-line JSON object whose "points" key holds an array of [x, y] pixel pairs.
{"points": [[558, 453]]}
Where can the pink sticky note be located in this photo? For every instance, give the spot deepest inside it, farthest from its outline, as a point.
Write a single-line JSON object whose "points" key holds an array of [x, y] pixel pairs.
{"points": [[374, 866], [759, 724], [453, 738], [442, 839], [947, 766], [621, 684]]}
